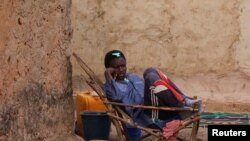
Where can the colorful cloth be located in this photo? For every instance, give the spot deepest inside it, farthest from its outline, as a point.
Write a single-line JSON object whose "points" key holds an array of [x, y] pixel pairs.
{"points": [[169, 129]]}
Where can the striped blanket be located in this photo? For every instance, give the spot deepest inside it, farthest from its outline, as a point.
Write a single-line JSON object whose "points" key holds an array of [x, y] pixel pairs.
{"points": [[224, 118]]}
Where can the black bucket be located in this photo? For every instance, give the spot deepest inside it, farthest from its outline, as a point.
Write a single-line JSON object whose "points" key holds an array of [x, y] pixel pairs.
{"points": [[96, 125]]}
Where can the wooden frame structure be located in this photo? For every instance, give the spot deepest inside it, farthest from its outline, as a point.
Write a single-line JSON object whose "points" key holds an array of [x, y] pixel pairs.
{"points": [[119, 118]]}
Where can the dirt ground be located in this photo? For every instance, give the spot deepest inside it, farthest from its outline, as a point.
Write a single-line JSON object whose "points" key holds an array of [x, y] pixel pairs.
{"points": [[183, 134]]}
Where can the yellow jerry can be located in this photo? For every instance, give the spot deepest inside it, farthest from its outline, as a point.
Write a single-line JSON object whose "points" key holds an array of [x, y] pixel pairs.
{"points": [[87, 101]]}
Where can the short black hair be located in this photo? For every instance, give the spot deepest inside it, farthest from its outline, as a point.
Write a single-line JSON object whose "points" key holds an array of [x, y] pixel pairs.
{"points": [[112, 55]]}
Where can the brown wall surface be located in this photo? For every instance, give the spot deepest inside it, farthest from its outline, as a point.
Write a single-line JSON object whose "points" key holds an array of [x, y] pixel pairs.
{"points": [[35, 71], [202, 45]]}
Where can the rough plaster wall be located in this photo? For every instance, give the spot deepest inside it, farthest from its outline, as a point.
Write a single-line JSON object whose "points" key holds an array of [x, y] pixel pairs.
{"points": [[243, 51], [35, 71], [200, 43]]}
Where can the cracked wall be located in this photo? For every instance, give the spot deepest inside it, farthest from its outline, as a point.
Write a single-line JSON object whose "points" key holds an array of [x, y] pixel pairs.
{"points": [[35, 71], [172, 35], [200, 43]]}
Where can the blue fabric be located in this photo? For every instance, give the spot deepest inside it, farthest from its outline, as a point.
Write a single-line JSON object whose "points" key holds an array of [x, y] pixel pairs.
{"points": [[134, 133], [129, 91]]}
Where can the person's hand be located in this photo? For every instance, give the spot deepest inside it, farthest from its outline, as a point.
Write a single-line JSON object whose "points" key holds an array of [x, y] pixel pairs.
{"points": [[109, 73]]}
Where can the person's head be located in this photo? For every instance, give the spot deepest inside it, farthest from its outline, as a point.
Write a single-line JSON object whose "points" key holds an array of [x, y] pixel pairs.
{"points": [[116, 59]]}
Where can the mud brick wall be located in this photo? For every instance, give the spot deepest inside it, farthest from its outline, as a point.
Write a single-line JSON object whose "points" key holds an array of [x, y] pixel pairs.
{"points": [[202, 45], [35, 71]]}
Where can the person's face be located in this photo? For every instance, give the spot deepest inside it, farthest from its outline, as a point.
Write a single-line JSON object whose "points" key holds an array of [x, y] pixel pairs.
{"points": [[119, 64]]}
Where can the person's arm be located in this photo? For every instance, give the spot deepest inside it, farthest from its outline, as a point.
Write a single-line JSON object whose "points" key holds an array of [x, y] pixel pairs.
{"points": [[110, 87], [112, 90]]}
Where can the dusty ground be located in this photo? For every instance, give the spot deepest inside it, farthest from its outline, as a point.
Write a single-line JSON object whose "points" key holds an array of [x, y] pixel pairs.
{"points": [[183, 134]]}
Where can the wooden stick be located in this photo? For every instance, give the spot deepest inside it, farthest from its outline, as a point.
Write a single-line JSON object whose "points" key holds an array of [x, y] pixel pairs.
{"points": [[195, 130], [87, 69], [150, 131], [186, 123], [144, 136], [122, 112], [152, 107], [195, 125]]}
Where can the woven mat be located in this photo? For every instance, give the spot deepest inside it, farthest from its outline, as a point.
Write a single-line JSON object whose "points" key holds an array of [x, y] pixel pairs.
{"points": [[223, 118]]}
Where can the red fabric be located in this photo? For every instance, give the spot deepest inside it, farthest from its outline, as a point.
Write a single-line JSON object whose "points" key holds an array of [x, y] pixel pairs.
{"points": [[166, 83], [170, 127]]}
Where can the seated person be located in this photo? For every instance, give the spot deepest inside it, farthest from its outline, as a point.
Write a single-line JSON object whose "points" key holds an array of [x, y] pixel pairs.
{"points": [[124, 87], [161, 91]]}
